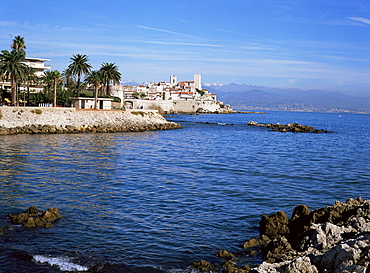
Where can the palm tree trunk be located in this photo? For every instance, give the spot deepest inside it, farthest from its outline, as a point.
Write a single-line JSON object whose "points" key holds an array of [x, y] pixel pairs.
{"points": [[96, 97], [17, 94], [28, 93], [14, 90], [55, 93], [78, 85], [107, 93]]}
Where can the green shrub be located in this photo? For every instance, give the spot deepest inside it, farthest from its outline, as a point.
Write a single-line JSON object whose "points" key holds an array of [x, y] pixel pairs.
{"points": [[86, 95], [36, 111], [138, 113], [201, 92]]}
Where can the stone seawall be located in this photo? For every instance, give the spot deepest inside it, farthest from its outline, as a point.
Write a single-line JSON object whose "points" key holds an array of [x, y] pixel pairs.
{"points": [[179, 106], [33, 120]]}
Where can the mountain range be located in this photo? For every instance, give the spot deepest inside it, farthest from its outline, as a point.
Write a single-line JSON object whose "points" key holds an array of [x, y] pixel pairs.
{"points": [[254, 97]]}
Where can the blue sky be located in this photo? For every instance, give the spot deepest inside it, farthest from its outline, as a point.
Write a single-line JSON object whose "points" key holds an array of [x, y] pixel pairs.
{"points": [[312, 44]]}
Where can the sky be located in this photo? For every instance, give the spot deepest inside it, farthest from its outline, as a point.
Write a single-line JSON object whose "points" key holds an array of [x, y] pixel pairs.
{"points": [[315, 44]]}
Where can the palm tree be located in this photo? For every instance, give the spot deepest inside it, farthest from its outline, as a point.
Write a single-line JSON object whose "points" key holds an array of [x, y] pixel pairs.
{"points": [[11, 65], [56, 77], [109, 73], [30, 77], [48, 81], [18, 43], [68, 80], [79, 65], [94, 79]]}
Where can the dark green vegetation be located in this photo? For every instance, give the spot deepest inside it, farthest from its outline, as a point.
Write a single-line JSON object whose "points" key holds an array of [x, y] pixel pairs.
{"points": [[78, 79], [13, 68], [36, 111], [201, 92]]}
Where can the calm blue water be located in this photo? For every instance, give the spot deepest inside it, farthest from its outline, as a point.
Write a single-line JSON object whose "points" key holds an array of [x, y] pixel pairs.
{"points": [[157, 201]]}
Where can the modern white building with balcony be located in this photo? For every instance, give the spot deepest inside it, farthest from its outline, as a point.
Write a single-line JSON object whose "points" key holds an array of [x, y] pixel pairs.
{"points": [[39, 66]]}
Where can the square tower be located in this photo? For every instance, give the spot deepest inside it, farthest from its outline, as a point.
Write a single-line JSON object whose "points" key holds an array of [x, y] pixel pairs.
{"points": [[198, 81], [173, 80]]}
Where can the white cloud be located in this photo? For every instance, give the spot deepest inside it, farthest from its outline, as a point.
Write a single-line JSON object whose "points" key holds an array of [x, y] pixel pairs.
{"points": [[186, 44], [232, 32], [7, 24], [166, 31], [360, 19]]}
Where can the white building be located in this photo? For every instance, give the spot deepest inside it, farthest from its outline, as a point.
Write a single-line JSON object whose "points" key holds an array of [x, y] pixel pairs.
{"points": [[89, 103], [36, 63], [173, 90], [172, 96]]}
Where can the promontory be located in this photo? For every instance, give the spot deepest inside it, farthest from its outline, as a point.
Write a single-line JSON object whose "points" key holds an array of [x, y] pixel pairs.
{"points": [[34, 120]]}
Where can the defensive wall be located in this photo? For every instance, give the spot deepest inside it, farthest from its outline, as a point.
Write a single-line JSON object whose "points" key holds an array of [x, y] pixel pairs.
{"points": [[176, 106]]}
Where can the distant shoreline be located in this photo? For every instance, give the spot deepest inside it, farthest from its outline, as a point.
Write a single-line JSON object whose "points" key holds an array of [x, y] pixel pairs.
{"points": [[246, 112], [220, 113], [336, 111]]}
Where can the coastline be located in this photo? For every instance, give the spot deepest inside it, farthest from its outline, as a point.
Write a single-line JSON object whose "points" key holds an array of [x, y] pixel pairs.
{"points": [[43, 120], [207, 187], [329, 239]]}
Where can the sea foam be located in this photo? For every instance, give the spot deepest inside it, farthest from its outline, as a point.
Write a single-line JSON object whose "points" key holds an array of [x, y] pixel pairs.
{"points": [[63, 263]]}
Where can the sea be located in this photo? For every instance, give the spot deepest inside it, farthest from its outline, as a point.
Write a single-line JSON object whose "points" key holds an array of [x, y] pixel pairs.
{"points": [[157, 201]]}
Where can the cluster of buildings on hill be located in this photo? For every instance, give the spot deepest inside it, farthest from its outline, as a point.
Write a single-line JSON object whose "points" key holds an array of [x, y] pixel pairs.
{"points": [[166, 97], [172, 90], [169, 97]]}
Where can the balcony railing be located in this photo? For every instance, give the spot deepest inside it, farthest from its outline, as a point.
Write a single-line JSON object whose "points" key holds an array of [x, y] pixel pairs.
{"points": [[39, 66]]}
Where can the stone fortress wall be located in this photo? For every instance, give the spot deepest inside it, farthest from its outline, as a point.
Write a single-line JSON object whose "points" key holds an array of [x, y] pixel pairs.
{"points": [[180, 106]]}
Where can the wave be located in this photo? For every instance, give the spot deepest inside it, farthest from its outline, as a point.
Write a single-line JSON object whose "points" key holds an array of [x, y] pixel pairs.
{"points": [[63, 263]]}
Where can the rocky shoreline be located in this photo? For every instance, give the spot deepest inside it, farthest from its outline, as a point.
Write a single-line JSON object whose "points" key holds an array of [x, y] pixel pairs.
{"points": [[29, 120], [290, 127], [333, 239]]}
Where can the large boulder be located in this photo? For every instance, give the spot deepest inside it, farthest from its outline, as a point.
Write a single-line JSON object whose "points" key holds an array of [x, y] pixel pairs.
{"points": [[333, 239], [323, 236], [278, 250], [300, 265], [203, 266], [274, 225], [348, 256]]}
